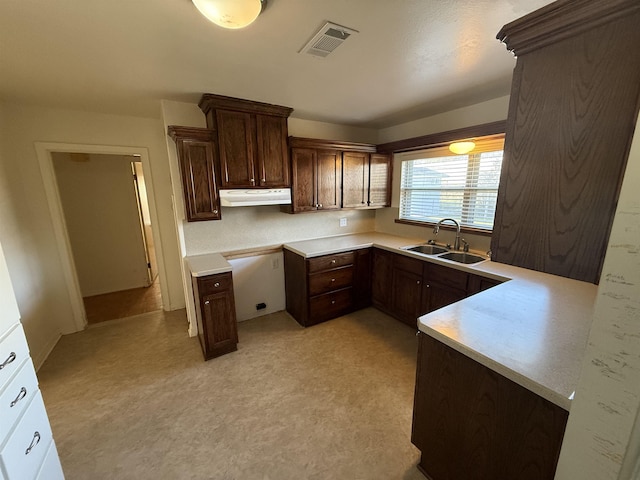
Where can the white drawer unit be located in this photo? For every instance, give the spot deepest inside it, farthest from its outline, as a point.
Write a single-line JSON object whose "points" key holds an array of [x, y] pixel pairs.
{"points": [[13, 352], [51, 469], [25, 449], [15, 397]]}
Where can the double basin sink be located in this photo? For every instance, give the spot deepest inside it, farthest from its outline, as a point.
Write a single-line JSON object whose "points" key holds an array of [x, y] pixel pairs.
{"points": [[444, 253]]}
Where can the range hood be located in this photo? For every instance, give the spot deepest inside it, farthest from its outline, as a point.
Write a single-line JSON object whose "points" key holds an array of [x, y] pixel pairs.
{"points": [[250, 198]]}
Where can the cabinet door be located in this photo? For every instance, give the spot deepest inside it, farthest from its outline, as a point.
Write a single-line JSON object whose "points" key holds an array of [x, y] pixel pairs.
{"points": [[197, 165], [219, 326], [380, 168], [237, 150], [355, 179], [362, 279], [406, 296], [382, 266], [328, 175], [303, 167], [441, 296], [272, 155]]}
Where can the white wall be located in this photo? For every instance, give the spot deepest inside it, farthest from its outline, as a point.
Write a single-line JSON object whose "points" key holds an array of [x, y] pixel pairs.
{"points": [[26, 229], [101, 213], [600, 441], [485, 112], [258, 279]]}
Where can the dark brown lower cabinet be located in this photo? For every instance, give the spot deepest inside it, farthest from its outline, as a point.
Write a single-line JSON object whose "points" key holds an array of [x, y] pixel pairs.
{"points": [[325, 287], [216, 314], [471, 423]]}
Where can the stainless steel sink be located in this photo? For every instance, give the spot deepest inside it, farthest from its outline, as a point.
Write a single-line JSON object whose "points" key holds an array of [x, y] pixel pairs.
{"points": [[461, 257], [427, 249]]}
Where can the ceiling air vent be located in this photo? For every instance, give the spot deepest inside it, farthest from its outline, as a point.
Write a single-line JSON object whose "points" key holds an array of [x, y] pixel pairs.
{"points": [[327, 39]]}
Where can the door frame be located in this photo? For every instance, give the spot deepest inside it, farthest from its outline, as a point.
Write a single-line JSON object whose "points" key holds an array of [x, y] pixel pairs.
{"points": [[44, 151]]}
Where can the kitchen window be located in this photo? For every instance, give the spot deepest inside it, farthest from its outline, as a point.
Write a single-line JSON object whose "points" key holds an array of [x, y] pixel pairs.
{"points": [[437, 184]]}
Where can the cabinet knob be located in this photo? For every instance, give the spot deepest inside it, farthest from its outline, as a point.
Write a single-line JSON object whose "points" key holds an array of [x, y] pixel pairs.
{"points": [[333, 302], [333, 279], [217, 284], [428, 286], [418, 282], [320, 205], [333, 262], [253, 180], [264, 180], [215, 212], [207, 302]]}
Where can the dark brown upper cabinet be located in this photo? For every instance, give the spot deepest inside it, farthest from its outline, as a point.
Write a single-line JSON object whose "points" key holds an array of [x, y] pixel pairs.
{"points": [[252, 139], [572, 113], [328, 175], [196, 149], [316, 180]]}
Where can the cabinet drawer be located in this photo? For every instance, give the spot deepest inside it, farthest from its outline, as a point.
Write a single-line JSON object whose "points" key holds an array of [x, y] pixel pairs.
{"points": [[330, 305], [215, 283], [326, 262], [51, 468], [408, 264], [13, 352], [448, 276], [16, 396], [332, 280], [26, 448]]}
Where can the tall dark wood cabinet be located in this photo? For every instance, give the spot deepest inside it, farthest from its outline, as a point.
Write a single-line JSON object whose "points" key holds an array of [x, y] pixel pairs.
{"points": [[196, 148], [252, 140], [215, 314], [573, 109]]}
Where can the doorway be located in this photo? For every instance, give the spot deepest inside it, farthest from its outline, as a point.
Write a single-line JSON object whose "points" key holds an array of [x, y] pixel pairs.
{"points": [[106, 211]]}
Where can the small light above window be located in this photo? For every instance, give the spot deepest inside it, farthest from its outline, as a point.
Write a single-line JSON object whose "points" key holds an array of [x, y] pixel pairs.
{"points": [[460, 148]]}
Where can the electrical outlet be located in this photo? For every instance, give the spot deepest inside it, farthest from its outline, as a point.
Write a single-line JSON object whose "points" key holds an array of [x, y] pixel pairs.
{"points": [[261, 306], [343, 222]]}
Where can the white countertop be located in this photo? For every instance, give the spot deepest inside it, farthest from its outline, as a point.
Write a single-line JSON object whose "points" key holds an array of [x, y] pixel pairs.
{"points": [[532, 329], [207, 264]]}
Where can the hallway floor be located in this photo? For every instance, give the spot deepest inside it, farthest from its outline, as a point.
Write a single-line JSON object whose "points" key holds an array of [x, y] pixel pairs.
{"points": [[126, 303], [134, 399]]}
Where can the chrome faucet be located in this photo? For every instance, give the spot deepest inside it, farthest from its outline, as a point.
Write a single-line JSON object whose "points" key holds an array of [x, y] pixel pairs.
{"points": [[436, 229]]}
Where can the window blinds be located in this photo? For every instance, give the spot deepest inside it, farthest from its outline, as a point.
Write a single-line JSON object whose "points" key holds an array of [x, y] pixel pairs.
{"points": [[437, 184]]}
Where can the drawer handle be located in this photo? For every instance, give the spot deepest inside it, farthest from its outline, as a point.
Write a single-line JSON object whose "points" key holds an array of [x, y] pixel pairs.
{"points": [[21, 395], [34, 442], [217, 284], [10, 359]]}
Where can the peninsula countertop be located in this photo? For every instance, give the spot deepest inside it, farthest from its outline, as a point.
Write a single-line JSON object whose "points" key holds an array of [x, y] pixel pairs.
{"points": [[532, 329]]}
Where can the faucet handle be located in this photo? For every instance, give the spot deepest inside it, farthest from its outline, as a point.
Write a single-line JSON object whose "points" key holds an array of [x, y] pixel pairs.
{"points": [[465, 248]]}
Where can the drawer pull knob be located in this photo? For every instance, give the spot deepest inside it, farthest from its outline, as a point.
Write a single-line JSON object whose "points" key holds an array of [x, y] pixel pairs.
{"points": [[21, 395], [10, 359], [333, 279], [34, 442], [215, 212], [418, 282], [217, 284], [333, 262], [333, 302], [207, 302]]}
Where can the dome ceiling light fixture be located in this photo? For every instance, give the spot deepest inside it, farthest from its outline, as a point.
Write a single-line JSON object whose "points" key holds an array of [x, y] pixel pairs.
{"points": [[463, 146], [232, 14]]}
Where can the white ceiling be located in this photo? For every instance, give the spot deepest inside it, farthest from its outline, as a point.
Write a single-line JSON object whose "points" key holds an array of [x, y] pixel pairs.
{"points": [[412, 58]]}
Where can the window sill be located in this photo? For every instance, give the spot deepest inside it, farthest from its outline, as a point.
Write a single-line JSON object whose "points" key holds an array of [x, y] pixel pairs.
{"points": [[444, 226]]}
